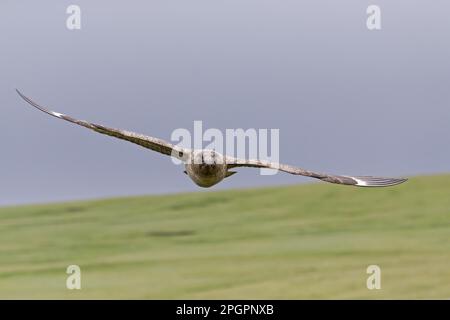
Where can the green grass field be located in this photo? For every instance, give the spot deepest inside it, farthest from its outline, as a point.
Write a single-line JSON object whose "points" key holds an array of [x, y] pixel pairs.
{"points": [[309, 241]]}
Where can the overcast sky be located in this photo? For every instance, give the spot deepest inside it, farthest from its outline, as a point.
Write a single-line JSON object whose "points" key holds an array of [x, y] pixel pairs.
{"points": [[346, 100]]}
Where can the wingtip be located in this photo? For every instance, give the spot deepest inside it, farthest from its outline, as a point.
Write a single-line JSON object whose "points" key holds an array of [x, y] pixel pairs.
{"points": [[24, 97], [27, 100], [37, 106], [369, 181], [19, 93], [397, 181]]}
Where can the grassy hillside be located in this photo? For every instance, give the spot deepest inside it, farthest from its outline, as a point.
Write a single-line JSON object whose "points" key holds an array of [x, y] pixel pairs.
{"points": [[311, 241]]}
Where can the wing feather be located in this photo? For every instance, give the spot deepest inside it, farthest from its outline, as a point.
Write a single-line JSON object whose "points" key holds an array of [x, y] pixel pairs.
{"points": [[152, 143], [359, 181]]}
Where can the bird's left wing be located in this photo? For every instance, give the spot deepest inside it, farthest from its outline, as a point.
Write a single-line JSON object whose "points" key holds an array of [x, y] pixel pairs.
{"points": [[359, 181], [154, 144]]}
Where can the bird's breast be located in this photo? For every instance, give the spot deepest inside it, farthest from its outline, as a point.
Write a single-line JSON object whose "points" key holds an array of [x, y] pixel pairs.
{"points": [[206, 175]]}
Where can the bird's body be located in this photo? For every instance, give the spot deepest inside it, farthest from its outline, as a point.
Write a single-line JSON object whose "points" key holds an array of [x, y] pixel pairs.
{"points": [[206, 168]]}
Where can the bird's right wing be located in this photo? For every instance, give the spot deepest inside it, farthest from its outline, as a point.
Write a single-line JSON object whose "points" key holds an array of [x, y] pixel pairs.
{"points": [[154, 144]]}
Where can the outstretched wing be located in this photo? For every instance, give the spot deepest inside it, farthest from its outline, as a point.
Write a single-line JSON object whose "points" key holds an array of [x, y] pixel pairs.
{"points": [[154, 144], [360, 181]]}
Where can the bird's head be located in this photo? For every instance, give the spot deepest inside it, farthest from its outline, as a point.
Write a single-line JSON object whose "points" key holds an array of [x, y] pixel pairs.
{"points": [[207, 157]]}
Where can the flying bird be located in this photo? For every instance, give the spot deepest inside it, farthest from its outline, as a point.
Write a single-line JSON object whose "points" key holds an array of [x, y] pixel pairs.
{"points": [[208, 167]]}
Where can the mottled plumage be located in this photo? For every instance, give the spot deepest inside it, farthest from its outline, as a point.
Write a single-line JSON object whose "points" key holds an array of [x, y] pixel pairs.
{"points": [[208, 167]]}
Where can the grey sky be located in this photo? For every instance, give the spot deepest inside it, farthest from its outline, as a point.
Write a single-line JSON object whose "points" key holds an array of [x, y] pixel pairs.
{"points": [[346, 100]]}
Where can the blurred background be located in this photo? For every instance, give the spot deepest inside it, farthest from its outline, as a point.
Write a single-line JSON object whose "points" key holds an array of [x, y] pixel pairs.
{"points": [[346, 100]]}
